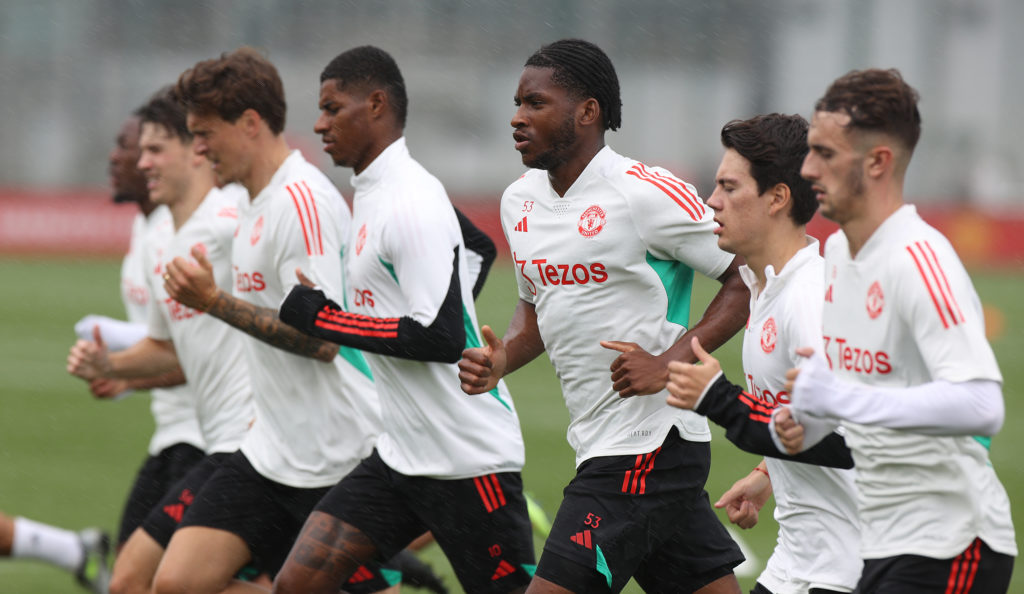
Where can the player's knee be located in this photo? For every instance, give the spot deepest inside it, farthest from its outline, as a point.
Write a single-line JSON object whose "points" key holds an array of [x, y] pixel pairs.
{"points": [[121, 583], [173, 583]]}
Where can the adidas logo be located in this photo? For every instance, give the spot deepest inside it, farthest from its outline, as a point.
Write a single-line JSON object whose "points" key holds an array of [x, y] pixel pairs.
{"points": [[582, 539], [175, 510], [504, 568], [361, 575], [521, 226]]}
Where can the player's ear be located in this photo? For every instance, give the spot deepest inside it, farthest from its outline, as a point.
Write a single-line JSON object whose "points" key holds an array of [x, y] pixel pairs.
{"points": [[878, 160], [780, 197], [378, 103], [588, 112], [250, 121]]}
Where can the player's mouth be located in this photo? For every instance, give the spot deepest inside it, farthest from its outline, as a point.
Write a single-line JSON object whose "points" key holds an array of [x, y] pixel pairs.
{"points": [[718, 229], [819, 192], [328, 144], [521, 140]]}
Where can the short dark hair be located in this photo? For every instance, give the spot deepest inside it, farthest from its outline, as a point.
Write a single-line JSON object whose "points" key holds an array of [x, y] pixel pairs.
{"points": [[585, 71], [775, 144], [229, 85], [370, 68], [165, 109], [876, 100]]}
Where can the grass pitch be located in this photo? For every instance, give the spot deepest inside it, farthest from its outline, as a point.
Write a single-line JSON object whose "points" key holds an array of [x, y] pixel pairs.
{"points": [[68, 460]]}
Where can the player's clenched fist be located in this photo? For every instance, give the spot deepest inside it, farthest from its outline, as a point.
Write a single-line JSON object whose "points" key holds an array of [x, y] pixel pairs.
{"points": [[191, 284], [482, 367], [745, 498], [686, 381], [88, 358], [790, 433]]}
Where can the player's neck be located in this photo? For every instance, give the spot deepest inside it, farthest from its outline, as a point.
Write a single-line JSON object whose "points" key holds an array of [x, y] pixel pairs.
{"points": [[563, 176], [190, 200], [266, 161], [777, 252], [879, 206]]}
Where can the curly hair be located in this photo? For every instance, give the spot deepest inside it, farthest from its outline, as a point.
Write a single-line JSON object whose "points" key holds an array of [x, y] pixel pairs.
{"points": [[370, 68], [876, 100], [229, 85]]}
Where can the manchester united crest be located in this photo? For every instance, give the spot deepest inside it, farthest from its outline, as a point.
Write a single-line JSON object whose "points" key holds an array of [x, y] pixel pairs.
{"points": [[769, 334], [876, 300], [257, 230], [361, 239], [592, 221]]}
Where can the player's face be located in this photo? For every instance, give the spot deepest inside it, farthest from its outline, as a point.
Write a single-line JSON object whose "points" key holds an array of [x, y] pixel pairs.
{"points": [[835, 166], [343, 126], [545, 120], [741, 212], [127, 181], [223, 143], [166, 163]]}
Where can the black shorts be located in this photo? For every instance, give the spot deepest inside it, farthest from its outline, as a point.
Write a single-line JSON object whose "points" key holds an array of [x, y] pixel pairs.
{"points": [[154, 479], [643, 516], [481, 523], [163, 519], [977, 570], [267, 516]]}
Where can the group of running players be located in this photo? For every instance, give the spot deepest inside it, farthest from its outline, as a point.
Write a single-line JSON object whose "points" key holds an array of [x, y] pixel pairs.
{"points": [[341, 404]]}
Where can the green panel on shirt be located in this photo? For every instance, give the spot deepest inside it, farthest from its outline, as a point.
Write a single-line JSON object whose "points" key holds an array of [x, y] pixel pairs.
{"points": [[678, 280], [390, 267], [473, 342], [356, 359]]}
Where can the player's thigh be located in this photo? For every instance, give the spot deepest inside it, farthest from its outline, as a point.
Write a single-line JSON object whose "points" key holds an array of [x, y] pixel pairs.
{"points": [[327, 553], [483, 526], [136, 564], [200, 559]]}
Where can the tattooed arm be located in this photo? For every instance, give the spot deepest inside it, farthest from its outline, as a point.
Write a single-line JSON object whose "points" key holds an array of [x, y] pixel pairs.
{"points": [[195, 287]]}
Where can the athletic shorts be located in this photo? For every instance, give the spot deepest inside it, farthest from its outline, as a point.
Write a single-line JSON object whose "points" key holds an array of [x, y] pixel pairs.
{"points": [[977, 570], [154, 479], [267, 516], [644, 516], [163, 519], [481, 523]]}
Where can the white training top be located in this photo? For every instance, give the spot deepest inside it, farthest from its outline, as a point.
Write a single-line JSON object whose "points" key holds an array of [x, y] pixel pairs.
{"points": [[210, 352], [399, 263], [314, 421], [904, 313], [173, 408], [611, 260], [815, 506]]}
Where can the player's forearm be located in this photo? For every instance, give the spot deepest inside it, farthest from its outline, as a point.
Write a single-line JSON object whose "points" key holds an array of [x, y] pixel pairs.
{"points": [[937, 408], [747, 423], [174, 377], [148, 357], [263, 324], [723, 318], [522, 339]]}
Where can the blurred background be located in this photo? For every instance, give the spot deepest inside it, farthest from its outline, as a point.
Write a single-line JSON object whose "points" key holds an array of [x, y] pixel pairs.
{"points": [[72, 70]]}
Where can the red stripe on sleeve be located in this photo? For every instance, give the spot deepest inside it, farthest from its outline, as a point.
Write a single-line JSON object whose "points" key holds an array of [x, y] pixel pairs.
{"points": [[356, 331], [302, 221], [938, 285], [635, 172], [931, 292], [680, 186], [749, 400], [760, 418], [947, 289], [316, 218], [385, 323]]}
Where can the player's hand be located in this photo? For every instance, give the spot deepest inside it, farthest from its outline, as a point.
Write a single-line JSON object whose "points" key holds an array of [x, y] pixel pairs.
{"points": [[105, 388], [790, 433], [303, 279], [191, 284], [687, 381], [89, 359], [482, 367], [744, 500], [793, 373], [636, 372]]}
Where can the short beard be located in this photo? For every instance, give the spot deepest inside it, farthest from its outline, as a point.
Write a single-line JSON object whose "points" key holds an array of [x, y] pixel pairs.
{"points": [[124, 197], [564, 139]]}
